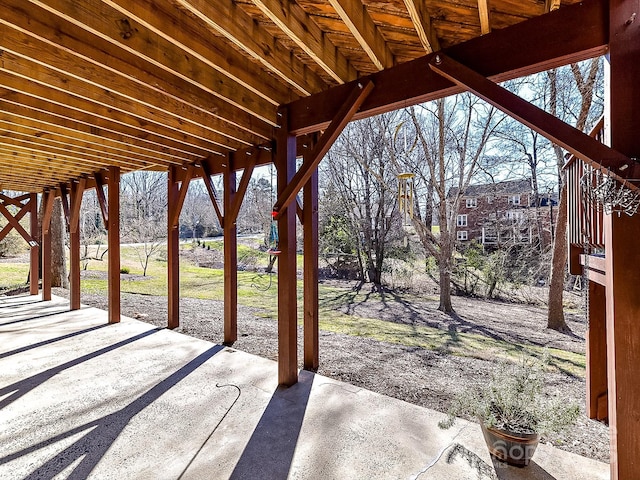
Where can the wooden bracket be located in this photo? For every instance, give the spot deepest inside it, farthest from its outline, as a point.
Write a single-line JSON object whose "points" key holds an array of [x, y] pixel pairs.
{"points": [[48, 199], [77, 190], [182, 194], [64, 198], [573, 140], [102, 200], [311, 161], [238, 197], [299, 210], [208, 183]]}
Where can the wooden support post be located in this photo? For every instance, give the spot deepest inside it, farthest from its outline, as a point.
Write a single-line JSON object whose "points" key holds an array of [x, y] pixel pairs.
{"points": [[621, 253], [596, 349], [310, 228], [48, 198], [113, 231], [173, 251], [230, 255], [287, 281], [77, 190], [34, 256]]}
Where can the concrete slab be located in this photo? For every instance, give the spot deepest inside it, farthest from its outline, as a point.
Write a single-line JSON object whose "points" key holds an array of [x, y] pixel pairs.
{"points": [[83, 399]]}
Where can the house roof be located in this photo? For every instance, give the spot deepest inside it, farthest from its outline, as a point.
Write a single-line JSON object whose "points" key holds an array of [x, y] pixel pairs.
{"points": [[509, 187], [147, 84]]}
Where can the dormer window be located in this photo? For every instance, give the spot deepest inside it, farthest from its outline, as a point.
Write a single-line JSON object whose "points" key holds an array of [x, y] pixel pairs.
{"points": [[472, 202]]}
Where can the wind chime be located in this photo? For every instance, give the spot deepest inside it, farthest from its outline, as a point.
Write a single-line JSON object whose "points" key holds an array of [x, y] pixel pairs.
{"points": [[405, 199]]}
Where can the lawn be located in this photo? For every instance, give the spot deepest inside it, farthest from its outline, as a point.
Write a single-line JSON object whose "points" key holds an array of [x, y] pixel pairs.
{"points": [[260, 291]]}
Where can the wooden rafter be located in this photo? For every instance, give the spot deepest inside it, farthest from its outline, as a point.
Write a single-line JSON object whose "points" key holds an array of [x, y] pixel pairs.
{"points": [[299, 27], [570, 34], [107, 24], [485, 20], [422, 22], [580, 144], [302, 176], [354, 14], [227, 19]]}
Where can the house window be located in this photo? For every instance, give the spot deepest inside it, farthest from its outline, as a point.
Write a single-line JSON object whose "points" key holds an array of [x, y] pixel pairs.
{"points": [[514, 200], [462, 220], [515, 215], [462, 235], [472, 202], [489, 199]]}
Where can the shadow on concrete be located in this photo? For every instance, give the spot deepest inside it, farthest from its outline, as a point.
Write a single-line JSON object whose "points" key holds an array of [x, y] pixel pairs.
{"points": [[22, 387], [50, 341], [27, 299], [269, 452], [531, 472], [103, 432], [36, 317]]}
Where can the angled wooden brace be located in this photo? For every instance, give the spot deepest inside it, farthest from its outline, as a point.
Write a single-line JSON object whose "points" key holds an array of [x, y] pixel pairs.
{"points": [[77, 190], [208, 183], [48, 198], [182, 194], [9, 226], [311, 161], [102, 199], [238, 197], [14, 223], [573, 140], [15, 201], [64, 199]]}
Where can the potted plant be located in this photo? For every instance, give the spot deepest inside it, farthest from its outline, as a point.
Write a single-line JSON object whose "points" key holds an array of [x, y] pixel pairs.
{"points": [[513, 411]]}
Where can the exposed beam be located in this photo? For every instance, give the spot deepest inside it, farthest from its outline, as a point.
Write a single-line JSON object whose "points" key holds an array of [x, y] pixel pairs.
{"points": [[95, 131], [81, 44], [578, 143], [422, 22], [570, 34], [177, 27], [229, 20], [485, 21], [355, 15], [288, 193], [108, 24], [307, 35]]}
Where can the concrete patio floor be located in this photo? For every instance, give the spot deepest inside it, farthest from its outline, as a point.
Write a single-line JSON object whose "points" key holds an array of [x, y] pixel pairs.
{"points": [[82, 399]]}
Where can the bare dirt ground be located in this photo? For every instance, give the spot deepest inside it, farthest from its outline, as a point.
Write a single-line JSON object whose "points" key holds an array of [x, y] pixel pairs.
{"points": [[423, 377]]}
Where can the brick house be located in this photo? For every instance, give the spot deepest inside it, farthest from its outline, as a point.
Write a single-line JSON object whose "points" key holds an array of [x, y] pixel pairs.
{"points": [[503, 213]]}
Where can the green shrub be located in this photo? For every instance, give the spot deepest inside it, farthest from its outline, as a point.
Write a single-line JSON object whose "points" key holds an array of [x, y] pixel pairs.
{"points": [[124, 270]]}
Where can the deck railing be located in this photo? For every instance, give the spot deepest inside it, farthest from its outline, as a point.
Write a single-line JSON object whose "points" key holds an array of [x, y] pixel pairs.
{"points": [[585, 219]]}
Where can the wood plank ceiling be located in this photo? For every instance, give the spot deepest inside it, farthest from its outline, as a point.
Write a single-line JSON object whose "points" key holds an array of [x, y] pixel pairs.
{"points": [[146, 84]]}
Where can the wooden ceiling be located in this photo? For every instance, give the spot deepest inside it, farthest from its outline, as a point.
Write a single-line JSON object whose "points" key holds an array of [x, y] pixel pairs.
{"points": [[145, 84]]}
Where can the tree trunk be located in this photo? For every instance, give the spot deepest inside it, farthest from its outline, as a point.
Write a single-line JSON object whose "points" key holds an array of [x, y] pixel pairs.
{"points": [[58, 252], [555, 318], [445, 291]]}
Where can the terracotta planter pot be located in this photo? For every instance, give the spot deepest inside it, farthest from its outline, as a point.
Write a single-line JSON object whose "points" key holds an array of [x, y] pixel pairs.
{"points": [[513, 448]]}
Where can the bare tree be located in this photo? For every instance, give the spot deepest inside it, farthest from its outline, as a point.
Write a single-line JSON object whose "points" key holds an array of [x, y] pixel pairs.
{"points": [[452, 134], [360, 174], [198, 215], [580, 111]]}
